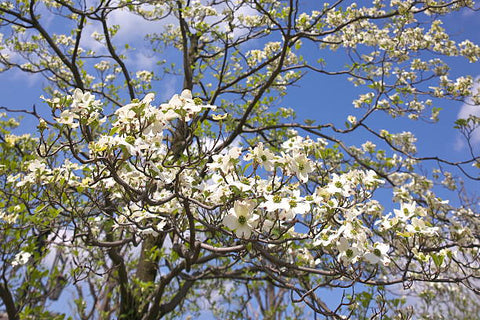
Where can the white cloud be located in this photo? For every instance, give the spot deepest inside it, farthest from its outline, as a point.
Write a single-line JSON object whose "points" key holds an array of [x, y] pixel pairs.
{"points": [[144, 61], [169, 86], [133, 30], [459, 143], [469, 108], [32, 80], [467, 12], [243, 10], [134, 27], [87, 40]]}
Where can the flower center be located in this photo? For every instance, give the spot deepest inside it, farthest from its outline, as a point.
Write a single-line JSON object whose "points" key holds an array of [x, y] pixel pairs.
{"points": [[242, 220], [377, 252]]}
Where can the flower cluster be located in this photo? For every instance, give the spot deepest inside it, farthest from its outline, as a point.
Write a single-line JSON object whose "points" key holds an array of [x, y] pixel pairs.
{"points": [[253, 194], [264, 202]]}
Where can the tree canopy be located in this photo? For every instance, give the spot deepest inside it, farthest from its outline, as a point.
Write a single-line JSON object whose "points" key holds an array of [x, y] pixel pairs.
{"points": [[169, 175]]}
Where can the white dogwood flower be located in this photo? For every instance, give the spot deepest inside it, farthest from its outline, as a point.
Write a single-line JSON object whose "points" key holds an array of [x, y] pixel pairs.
{"points": [[21, 258], [301, 166], [378, 254], [261, 156], [348, 253], [241, 218]]}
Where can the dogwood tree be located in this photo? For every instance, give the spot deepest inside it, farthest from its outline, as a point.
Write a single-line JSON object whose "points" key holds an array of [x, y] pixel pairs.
{"points": [[215, 199]]}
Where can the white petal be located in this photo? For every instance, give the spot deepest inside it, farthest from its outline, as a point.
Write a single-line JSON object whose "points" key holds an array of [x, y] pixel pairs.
{"points": [[243, 231], [77, 94], [186, 94], [230, 221]]}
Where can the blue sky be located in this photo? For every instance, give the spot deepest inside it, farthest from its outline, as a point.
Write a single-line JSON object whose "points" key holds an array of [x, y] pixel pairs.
{"points": [[329, 99], [323, 98]]}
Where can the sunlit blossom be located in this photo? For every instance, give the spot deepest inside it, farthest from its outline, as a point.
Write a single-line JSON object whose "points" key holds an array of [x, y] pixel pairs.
{"points": [[241, 218]]}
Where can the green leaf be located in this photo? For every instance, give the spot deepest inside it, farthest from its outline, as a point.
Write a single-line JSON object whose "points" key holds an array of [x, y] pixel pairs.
{"points": [[437, 259]]}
